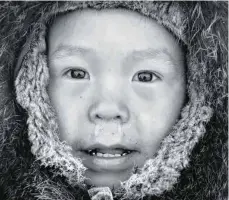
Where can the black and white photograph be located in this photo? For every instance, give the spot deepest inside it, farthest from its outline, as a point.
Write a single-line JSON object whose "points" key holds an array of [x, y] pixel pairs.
{"points": [[113, 100]]}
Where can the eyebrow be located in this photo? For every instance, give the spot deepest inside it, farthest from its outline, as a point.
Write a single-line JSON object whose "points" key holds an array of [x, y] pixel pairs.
{"points": [[69, 50], [138, 55], [150, 53]]}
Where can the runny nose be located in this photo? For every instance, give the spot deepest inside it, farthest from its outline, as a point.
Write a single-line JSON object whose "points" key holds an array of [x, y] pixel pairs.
{"points": [[108, 111]]}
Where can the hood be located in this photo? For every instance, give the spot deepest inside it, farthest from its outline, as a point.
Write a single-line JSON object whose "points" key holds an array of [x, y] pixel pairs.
{"points": [[200, 26]]}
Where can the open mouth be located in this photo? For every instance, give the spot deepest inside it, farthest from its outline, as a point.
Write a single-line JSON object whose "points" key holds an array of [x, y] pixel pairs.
{"points": [[108, 153], [115, 158]]}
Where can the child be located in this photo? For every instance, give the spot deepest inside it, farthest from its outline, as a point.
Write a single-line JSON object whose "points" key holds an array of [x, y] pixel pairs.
{"points": [[115, 96]]}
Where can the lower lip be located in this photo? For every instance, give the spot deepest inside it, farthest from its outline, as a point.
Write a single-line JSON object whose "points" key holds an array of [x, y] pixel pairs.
{"points": [[97, 163]]}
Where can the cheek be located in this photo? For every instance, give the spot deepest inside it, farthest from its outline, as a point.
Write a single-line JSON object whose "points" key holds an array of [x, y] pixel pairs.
{"points": [[68, 103], [152, 129], [157, 112]]}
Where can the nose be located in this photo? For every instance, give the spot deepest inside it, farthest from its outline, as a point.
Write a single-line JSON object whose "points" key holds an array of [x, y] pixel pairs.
{"points": [[108, 111]]}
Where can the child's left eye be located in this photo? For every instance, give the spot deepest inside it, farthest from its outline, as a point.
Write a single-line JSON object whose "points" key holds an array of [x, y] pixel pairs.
{"points": [[77, 74], [145, 76]]}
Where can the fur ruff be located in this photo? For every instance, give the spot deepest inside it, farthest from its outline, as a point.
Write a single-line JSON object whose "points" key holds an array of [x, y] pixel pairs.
{"points": [[203, 36]]}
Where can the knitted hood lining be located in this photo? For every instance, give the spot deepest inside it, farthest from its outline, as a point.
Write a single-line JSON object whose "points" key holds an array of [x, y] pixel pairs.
{"points": [[157, 175]]}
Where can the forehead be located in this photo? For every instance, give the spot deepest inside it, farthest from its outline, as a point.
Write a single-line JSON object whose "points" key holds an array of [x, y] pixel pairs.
{"points": [[114, 30]]}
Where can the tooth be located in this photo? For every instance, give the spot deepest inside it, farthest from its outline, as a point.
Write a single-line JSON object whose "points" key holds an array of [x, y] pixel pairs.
{"points": [[106, 155], [99, 154]]}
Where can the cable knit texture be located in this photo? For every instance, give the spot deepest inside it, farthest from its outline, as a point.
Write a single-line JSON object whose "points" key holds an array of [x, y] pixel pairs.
{"points": [[185, 163]]}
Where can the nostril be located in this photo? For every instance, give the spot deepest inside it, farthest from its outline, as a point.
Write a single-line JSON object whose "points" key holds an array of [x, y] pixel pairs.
{"points": [[118, 117], [108, 117], [98, 116], [108, 112]]}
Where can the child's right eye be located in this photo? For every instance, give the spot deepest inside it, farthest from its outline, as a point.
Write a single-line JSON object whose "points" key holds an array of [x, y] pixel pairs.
{"points": [[77, 74]]}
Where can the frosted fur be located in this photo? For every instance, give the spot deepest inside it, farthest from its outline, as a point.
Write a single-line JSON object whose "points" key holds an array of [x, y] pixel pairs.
{"points": [[161, 173], [100, 192]]}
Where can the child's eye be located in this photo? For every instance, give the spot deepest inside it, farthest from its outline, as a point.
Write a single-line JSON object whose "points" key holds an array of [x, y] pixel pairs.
{"points": [[145, 76], [77, 74]]}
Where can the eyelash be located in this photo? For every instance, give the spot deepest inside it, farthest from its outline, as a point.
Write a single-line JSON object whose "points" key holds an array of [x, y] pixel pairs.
{"points": [[151, 76], [142, 76], [70, 74]]}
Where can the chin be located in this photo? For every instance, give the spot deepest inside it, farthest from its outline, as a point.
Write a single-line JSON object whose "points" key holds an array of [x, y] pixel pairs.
{"points": [[106, 179]]}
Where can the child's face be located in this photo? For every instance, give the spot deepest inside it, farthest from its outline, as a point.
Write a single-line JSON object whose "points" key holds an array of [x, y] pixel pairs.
{"points": [[117, 84]]}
